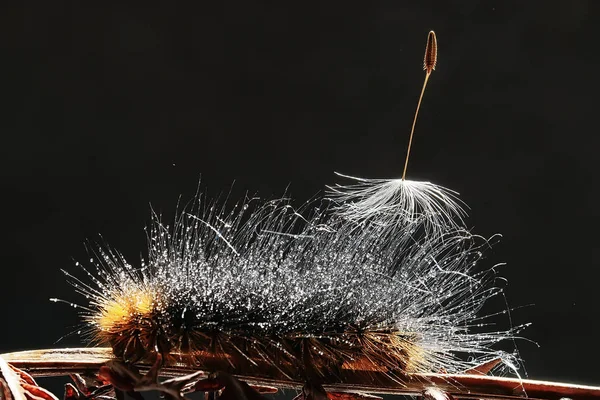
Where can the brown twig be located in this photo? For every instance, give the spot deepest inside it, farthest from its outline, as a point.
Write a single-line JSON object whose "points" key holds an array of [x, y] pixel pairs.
{"points": [[55, 362]]}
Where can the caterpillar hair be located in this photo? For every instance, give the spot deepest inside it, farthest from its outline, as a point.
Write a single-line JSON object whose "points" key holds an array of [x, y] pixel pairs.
{"points": [[380, 275]]}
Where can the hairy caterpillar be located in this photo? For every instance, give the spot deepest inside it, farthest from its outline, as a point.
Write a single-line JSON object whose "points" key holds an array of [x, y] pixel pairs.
{"points": [[307, 294]]}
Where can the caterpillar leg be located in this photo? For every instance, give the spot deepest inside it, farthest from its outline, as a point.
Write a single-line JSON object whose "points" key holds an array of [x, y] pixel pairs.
{"points": [[78, 392], [433, 393], [231, 388], [126, 378], [312, 391], [316, 392]]}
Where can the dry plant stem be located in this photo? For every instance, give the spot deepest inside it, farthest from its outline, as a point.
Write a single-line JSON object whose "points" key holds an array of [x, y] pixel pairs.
{"points": [[19, 385], [60, 362], [13, 388], [351, 396]]}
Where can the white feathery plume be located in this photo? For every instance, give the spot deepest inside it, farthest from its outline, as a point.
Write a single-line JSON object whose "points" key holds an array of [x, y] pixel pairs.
{"points": [[398, 204]]}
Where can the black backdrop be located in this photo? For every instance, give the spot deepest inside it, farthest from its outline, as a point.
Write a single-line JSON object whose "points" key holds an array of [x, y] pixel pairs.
{"points": [[107, 110]]}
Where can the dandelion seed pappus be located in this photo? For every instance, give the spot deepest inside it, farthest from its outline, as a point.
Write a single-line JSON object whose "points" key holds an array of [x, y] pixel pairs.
{"points": [[375, 288]]}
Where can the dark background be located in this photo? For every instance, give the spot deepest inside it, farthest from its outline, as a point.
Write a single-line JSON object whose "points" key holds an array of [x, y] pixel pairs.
{"points": [[106, 110]]}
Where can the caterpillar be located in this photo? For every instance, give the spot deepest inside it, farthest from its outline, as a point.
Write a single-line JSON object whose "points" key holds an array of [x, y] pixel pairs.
{"points": [[307, 294]]}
